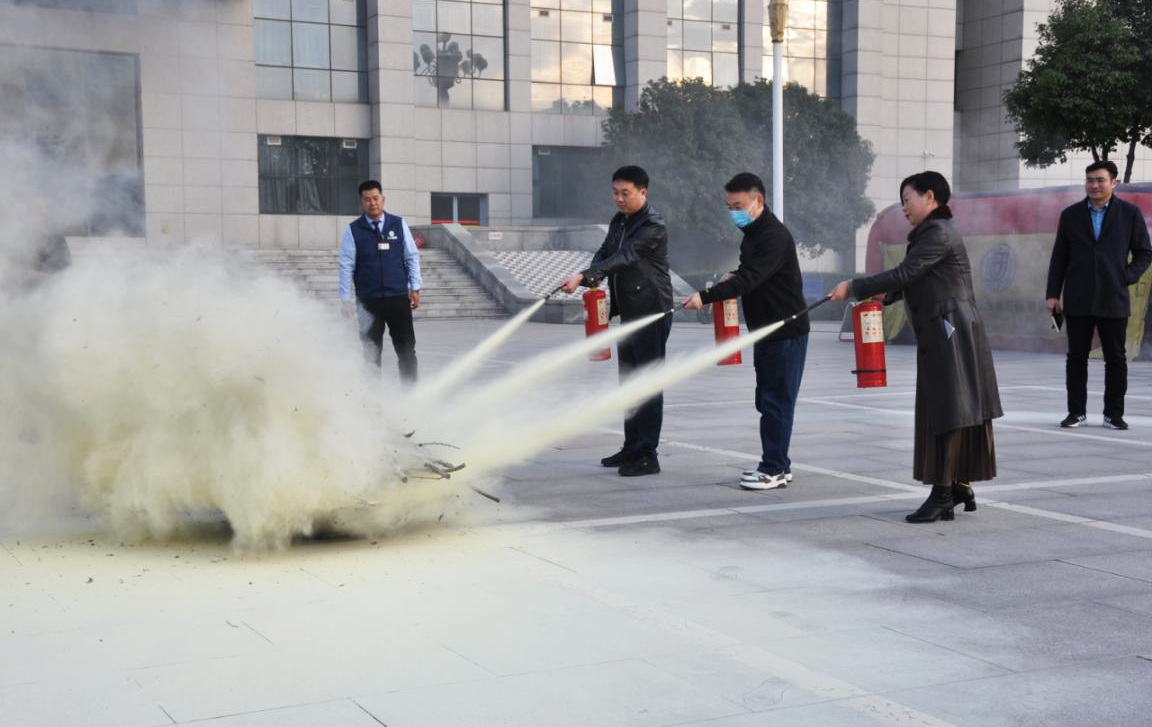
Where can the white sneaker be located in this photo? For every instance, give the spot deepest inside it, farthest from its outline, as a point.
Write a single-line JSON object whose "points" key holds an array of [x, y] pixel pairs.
{"points": [[754, 476], [765, 482]]}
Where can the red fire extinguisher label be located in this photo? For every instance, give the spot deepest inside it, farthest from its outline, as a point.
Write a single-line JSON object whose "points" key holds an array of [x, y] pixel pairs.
{"points": [[872, 327], [602, 311], [731, 313]]}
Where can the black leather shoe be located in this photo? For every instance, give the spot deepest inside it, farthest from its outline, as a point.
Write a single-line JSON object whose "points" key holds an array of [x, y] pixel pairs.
{"points": [[622, 457], [962, 493], [644, 465], [938, 506]]}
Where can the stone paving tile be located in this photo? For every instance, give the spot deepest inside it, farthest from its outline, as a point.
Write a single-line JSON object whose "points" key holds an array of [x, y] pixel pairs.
{"points": [[1135, 564], [339, 713], [1024, 545], [878, 659], [619, 694], [994, 588], [1113, 692], [1028, 639], [1110, 506]]}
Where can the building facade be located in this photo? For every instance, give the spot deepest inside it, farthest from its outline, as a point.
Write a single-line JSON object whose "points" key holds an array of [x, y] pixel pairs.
{"points": [[252, 120]]}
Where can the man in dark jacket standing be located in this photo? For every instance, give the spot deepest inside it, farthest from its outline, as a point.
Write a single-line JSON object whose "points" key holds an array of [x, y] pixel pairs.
{"points": [[1090, 263], [634, 260], [769, 283]]}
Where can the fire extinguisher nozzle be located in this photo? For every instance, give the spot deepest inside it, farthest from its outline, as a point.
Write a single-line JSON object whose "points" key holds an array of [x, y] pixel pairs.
{"points": [[556, 290]]}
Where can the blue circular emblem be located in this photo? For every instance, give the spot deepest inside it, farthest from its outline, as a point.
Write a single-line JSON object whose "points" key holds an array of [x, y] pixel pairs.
{"points": [[998, 268]]}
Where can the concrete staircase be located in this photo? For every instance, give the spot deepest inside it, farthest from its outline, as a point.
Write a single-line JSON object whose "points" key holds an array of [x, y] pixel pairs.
{"points": [[449, 291]]}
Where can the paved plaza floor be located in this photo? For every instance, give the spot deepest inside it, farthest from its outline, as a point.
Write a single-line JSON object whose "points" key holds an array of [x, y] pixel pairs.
{"points": [[586, 599]]}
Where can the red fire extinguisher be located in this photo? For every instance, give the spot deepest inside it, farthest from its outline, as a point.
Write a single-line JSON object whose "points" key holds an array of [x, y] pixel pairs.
{"points": [[868, 334], [596, 319], [726, 321]]}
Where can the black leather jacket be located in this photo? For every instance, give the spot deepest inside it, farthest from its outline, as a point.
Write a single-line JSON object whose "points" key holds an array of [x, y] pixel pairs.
{"points": [[955, 376], [634, 259]]}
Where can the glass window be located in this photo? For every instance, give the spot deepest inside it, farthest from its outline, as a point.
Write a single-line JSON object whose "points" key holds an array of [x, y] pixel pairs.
{"points": [[488, 20], [349, 87], [453, 17], [724, 38], [545, 61], [709, 28], [315, 11], [464, 45], [310, 175], [546, 96], [698, 65], [278, 9], [545, 24], [424, 15], [468, 209], [806, 42], [310, 49], [273, 42], [464, 209], [603, 66], [587, 54], [575, 63], [273, 82], [727, 11], [308, 85], [602, 28], [488, 95], [675, 64], [697, 36], [346, 12], [458, 95], [443, 209], [575, 27], [697, 9], [725, 69], [347, 43], [487, 59], [310, 45]]}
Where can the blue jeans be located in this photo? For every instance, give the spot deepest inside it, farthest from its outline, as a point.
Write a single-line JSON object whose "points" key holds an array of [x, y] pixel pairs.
{"points": [[779, 367]]}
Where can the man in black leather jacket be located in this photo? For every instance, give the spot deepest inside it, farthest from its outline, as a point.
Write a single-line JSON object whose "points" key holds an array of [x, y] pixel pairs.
{"points": [[634, 260]]}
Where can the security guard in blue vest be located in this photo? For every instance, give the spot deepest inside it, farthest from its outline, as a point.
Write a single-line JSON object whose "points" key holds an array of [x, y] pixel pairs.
{"points": [[379, 258]]}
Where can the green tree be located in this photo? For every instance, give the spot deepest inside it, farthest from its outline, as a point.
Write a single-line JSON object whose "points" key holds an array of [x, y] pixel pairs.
{"points": [[1086, 87], [692, 138]]}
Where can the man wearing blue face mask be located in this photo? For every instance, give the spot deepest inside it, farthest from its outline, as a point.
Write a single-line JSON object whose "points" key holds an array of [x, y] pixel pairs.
{"points": [[768, 283]]}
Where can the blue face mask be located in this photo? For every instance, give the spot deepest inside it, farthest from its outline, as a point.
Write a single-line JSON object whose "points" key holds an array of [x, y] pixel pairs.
{"points": [[740, 218]]}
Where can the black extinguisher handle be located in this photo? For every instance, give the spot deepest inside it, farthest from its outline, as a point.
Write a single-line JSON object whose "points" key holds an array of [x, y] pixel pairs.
{"points": [[815, 305]]}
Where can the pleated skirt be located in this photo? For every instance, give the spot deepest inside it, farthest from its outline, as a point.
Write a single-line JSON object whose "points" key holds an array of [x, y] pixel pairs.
{"points": [[967, 454]]}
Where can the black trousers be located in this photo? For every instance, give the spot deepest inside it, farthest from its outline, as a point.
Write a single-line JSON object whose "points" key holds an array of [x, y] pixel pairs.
{"points": [[393, 313], [645, 346], [1112, 332]]}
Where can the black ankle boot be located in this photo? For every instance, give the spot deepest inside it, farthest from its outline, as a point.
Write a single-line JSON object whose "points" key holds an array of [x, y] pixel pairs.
{"points": [[938, 506], [962, 493]]}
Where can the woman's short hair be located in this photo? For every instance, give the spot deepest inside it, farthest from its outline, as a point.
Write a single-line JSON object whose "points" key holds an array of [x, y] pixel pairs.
{"points": [[934, 182]]}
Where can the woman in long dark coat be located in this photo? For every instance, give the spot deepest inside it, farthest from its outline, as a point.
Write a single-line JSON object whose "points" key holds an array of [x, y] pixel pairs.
{"points": [[956, 394]]}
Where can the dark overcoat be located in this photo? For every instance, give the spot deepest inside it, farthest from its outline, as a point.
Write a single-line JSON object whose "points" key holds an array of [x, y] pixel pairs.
{"points": [[955, 378], [1094, 275]]}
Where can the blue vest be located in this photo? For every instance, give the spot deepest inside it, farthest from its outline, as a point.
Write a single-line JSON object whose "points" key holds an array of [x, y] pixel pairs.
{"points": [[379, 273]]}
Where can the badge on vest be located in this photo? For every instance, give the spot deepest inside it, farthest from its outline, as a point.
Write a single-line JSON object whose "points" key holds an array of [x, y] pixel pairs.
{"points": [[392, 235], [382, 246]]}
